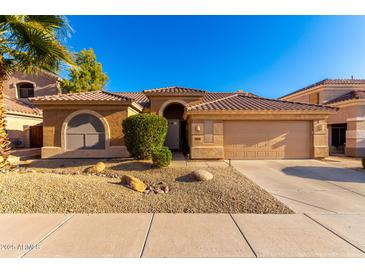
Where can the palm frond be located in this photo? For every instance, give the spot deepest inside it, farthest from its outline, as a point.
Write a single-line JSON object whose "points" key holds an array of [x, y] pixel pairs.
{"points": [[33, 41]]}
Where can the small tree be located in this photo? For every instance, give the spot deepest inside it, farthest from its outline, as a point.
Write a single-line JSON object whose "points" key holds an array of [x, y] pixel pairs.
{"points": [[88, 76], [144, 133]]}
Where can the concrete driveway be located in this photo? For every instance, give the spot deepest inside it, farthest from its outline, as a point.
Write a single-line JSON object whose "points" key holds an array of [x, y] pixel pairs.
{"points": [[309, 186]]}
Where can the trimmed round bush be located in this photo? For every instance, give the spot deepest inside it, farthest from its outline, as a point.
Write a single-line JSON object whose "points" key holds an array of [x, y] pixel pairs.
{"points": [[144, 133], [363, 162], [161, 157]]}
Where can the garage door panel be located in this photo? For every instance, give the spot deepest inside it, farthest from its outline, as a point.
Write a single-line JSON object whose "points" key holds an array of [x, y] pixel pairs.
{"points": [[267, 139]]}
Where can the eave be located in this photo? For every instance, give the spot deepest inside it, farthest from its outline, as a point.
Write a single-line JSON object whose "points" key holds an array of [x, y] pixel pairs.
{"points": [[222, 113]]}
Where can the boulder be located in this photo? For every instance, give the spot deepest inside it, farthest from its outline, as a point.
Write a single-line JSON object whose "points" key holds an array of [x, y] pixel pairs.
{"points": [[202, 175], [134, 183], [97, 168]]}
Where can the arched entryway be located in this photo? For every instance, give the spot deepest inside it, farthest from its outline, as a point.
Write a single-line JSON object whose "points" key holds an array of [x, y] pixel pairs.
{"points": [[176, 138], [85, 131]]}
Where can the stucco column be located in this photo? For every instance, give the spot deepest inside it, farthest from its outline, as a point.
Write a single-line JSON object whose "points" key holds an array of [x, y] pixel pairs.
{"points": [[320, 139], [355, 137]]}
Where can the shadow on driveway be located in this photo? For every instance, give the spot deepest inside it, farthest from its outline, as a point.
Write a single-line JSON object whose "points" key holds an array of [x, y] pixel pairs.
{"points": [[325, 173]]}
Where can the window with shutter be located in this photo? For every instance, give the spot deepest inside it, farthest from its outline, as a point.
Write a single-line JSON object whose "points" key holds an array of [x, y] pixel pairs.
{"points": [[208, 131]]}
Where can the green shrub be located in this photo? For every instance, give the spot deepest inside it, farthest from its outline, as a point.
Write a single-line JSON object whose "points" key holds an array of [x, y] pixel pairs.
{"points": [[161, 157], [363, 162], [144, 133]]}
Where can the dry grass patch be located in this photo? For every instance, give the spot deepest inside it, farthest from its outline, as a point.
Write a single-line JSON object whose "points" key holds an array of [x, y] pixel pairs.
{"points": [[39, 192]]}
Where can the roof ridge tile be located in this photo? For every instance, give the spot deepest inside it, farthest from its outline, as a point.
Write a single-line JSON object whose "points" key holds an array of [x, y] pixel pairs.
{"points": [[328, 81], [173, 89]]}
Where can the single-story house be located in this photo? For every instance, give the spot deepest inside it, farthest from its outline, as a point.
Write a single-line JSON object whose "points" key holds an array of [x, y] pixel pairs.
{"points": [[211, 125], [347, 126]]}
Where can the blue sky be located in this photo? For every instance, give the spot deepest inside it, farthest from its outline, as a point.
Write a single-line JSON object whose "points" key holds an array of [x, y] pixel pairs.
{"points": [[267, 55]]}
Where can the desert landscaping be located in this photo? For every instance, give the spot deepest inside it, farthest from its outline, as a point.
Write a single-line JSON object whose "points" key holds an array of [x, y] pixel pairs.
{"points": [[67, 186]]}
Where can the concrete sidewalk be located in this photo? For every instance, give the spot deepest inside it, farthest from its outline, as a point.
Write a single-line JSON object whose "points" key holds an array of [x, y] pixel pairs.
{"points": [[182, 235]]}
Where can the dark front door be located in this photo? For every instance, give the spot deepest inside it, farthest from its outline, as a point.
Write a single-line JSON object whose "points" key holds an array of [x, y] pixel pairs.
{"points": [[338, 138], [36, 136], [176, 126], [173, 134]]}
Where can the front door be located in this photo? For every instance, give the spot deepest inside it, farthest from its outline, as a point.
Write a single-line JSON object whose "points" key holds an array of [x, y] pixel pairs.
{"points": [[173, 134], [338, 138]]}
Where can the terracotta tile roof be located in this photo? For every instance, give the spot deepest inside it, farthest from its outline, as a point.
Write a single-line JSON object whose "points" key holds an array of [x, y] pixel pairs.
{"points": [[174, 90], [211, 96], [90, 96], [244, 102], [210, 101], [138, 97], [22, 106], [352, 95], [329, 82], [144, 101]]}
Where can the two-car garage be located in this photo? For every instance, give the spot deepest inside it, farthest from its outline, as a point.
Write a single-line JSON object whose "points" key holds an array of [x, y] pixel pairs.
{"points": [[267, 139], [252, 127]]}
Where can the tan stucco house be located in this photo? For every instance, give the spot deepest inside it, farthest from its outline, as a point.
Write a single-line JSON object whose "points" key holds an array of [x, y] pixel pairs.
{"points": [[23, 118], [347, 126], [209, 125]]}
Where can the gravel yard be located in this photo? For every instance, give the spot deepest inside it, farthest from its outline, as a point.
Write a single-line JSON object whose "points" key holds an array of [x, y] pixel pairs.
{"points": [[45, 192]]}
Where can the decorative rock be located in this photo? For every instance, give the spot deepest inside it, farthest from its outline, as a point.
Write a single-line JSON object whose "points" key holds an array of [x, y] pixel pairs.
{"points": [[165, 189], [149, 191], [134, 183], [162, 188], [97, 168], [202, 175], [159, 191]]}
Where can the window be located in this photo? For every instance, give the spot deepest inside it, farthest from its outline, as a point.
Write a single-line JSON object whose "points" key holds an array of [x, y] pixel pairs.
{"points": [[85, 131], [208, 131], [314, 98], [25, 90]]}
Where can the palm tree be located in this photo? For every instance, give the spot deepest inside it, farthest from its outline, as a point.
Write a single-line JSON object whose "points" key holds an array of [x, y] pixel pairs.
{"points": [[29, 43]]}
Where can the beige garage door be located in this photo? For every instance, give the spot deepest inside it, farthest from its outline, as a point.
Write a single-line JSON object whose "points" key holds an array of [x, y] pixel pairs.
{"points": [[267, 139]]}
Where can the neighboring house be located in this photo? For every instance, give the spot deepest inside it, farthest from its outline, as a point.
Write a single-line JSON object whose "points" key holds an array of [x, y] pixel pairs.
{"points": [[212, 125], [24, 119], [347, 126]]}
